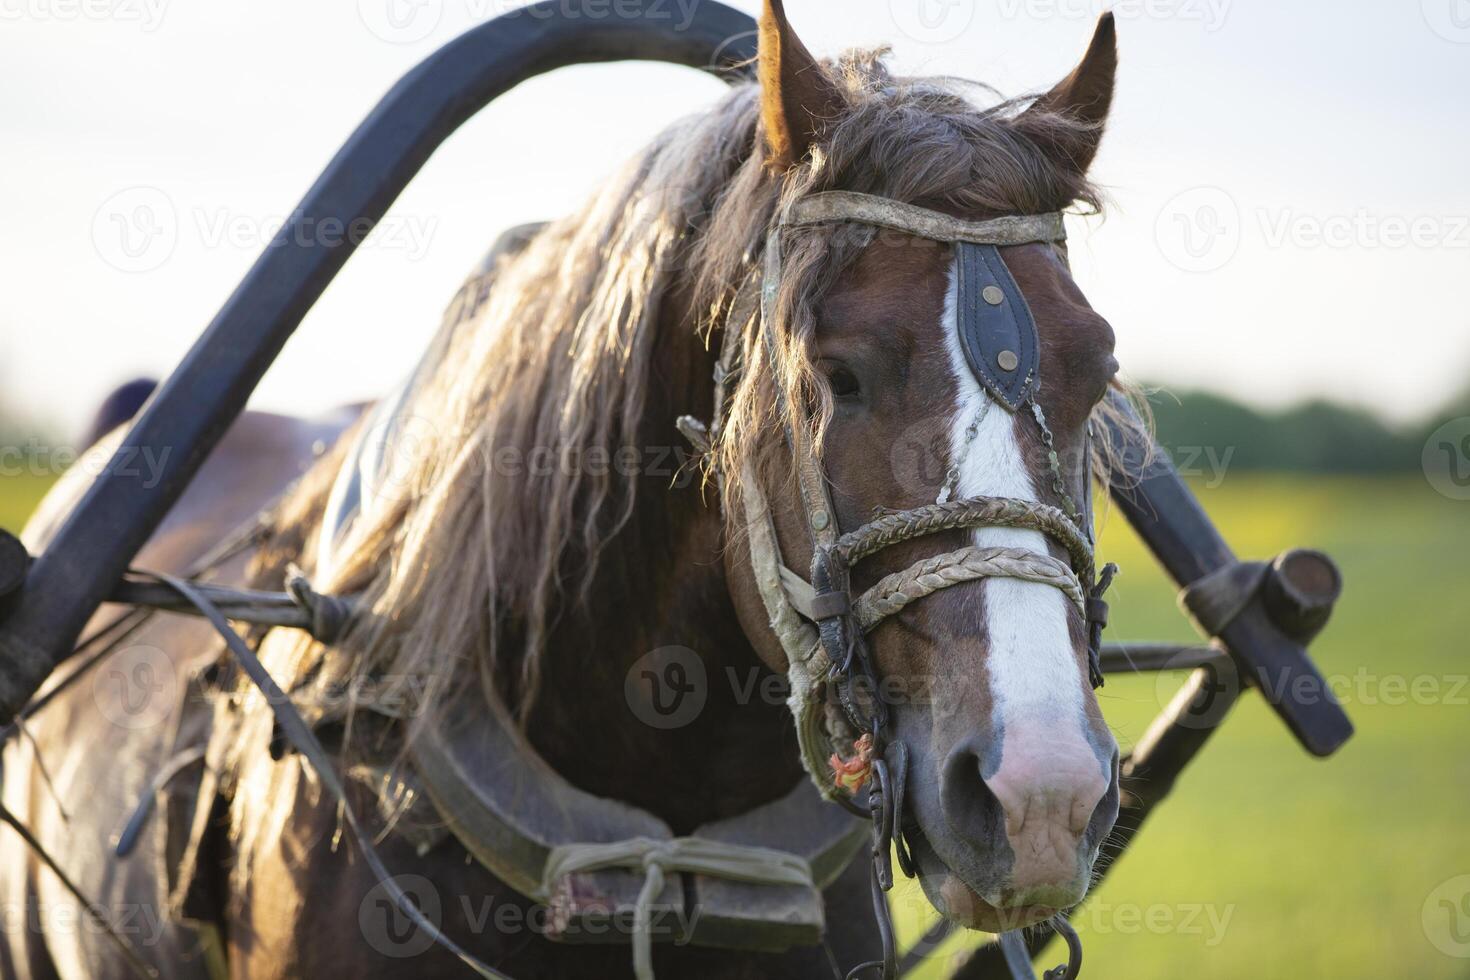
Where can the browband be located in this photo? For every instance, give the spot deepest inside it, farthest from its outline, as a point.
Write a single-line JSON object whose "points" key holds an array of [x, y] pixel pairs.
{"points": [[869, 210], [996, 331]]}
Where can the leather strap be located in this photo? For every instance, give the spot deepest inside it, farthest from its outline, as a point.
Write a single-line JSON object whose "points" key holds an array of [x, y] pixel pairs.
{"points": [[923, 223], [997, 331]]}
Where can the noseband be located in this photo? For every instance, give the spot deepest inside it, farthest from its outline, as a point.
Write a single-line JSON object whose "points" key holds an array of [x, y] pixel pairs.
{"points": [[820, 626]]}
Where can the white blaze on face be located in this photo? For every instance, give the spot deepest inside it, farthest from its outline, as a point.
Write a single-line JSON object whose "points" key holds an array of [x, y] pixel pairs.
{"points": [[1048, 770], [1033, 669]]}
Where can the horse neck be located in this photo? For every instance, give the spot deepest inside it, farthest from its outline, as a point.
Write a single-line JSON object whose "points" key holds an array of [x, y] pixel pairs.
{"points": [[650, 691]]}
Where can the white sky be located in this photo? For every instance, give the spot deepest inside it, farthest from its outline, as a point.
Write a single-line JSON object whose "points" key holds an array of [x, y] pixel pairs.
{"points": [[1264, 161]]}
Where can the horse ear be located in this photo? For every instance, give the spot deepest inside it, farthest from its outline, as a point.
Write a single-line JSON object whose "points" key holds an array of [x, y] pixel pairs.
{"points": [[797, 98], [1084, 96]]}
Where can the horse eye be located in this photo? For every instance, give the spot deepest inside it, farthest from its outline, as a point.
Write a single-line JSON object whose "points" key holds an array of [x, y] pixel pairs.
{"points": [[843, 382]]}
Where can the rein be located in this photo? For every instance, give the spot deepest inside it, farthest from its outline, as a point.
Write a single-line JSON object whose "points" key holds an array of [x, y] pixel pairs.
{"points": [[821, 627]]}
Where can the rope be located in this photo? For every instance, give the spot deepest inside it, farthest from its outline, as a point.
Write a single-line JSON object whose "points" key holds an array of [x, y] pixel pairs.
{"points": [[895, 591], [329, 614], [889, 529], [299, 607], [691, 855]]}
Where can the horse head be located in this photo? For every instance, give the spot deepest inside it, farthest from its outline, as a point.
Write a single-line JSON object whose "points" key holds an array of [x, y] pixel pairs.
{"points": [[1011, 772]]}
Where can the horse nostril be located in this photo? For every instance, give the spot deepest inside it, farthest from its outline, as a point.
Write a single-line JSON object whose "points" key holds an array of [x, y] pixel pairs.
{"points": [[970, 807], [1105, 814]]}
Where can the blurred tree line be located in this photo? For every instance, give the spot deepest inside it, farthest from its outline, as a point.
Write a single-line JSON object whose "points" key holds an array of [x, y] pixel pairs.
{"points": [[1316, 436]]}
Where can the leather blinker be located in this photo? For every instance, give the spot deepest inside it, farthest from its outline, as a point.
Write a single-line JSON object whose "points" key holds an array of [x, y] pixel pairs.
{"points": [[997, 331]]}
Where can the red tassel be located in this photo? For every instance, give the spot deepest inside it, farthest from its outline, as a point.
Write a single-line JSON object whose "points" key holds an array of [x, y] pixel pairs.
{"points": [[851, 774]]}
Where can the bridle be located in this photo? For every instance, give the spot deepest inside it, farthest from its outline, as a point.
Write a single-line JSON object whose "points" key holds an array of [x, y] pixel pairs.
{"points": [[819, 624]]}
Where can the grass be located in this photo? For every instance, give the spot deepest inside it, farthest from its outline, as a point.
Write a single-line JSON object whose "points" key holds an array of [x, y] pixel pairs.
{"points": [[1265, 862], [19, 495]]}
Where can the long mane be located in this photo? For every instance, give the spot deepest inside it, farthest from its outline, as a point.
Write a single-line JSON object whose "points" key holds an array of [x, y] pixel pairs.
{"points": [[466, 567]]}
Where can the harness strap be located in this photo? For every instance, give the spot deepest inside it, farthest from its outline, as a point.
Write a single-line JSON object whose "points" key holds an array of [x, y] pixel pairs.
{"points": [[936, 226], [783, 598], [892, 528], [894, 592], [694, 855]]}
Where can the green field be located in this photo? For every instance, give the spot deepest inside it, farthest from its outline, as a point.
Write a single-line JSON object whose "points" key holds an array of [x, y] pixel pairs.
{"points": [[19, 495], [1265, 862]]}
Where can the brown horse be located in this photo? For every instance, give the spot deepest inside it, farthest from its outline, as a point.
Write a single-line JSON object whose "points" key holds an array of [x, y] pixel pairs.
{"points": [[538, 531]]}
